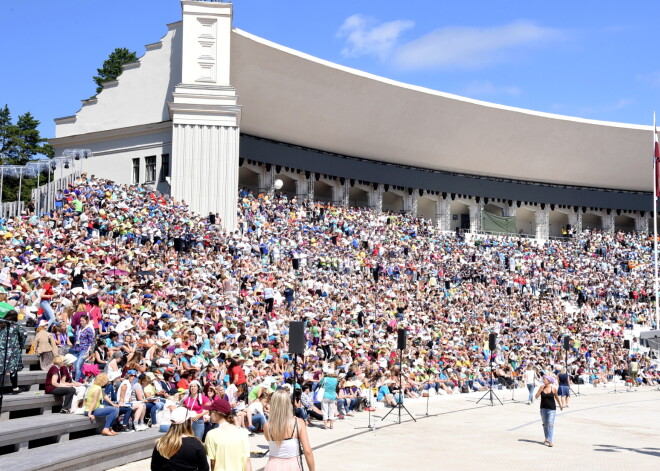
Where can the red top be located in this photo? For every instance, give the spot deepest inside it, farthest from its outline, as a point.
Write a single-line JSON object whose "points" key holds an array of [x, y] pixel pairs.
{"points": [[237, 375], [62, 372]]}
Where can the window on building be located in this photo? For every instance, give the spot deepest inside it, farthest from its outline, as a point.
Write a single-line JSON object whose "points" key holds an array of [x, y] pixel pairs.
{"points": [[136, 170], [150, 168], [164, 166]]}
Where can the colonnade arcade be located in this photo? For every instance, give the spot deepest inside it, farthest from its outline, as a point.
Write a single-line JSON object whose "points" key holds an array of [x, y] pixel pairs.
{"points": [[448, 211]]}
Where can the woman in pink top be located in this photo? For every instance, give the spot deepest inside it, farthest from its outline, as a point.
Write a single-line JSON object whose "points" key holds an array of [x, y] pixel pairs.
{"points": [[194, 400]]}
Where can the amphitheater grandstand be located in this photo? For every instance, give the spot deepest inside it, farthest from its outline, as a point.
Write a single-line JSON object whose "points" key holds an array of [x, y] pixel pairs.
{"points": [[174, 298]]}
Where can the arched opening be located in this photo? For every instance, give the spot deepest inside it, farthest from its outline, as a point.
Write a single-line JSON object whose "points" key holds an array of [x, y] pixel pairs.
{"points": [[322, 191], [558, 221], [358, 197], [494, 209], [525, 219], [426, 209], [288, 186], [592, 222], [392, 202], [248, 178], [460, 215], [624, 223]]}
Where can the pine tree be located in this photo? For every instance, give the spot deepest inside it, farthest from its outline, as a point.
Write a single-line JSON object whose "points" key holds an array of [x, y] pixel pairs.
{"points": [[112, 67]]}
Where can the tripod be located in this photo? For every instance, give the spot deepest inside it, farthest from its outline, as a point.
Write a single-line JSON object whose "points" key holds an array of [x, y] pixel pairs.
{"points": [[490, 392], [399, 402]]}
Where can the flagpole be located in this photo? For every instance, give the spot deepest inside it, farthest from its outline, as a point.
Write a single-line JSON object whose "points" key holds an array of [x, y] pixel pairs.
{"points": [[655, 219]]}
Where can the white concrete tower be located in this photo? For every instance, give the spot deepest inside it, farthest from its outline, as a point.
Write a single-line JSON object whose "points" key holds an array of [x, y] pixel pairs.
{"points": [[205, 114]]}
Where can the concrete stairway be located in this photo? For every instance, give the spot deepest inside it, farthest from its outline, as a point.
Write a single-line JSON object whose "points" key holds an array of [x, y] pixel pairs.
{"points": [[34, 436]]}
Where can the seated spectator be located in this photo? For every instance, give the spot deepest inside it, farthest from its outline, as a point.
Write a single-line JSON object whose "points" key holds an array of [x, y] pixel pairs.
{"points": [[60, 383], [93, 406]]}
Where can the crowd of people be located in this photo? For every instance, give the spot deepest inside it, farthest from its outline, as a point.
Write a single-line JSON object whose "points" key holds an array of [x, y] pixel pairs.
{"points": [[142, 306]]}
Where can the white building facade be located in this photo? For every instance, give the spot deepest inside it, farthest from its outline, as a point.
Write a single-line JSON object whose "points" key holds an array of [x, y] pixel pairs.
{"points": [[209, 109]]}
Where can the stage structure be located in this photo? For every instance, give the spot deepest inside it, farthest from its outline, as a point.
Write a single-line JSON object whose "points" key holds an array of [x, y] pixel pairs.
{"points": [[210, 108]]}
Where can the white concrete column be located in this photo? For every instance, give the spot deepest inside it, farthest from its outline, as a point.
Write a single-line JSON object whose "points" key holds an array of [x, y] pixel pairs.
{"points": [[310, 187], [410, 203], [641, 223], [267, 180], [509, 210], [340, 192], [443, 214], [376, 199], [301, 188], [608, 223], [575, 220], [206, 115], [475, 216], [542, 221]]}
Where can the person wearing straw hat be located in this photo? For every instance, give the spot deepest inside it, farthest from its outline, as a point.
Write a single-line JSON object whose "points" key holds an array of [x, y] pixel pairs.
{"points": [[45, 346], [179, 449]]}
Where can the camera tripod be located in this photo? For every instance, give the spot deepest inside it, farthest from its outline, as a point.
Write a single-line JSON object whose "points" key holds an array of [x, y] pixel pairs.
{"points": [[490, 392], [399, 402]]}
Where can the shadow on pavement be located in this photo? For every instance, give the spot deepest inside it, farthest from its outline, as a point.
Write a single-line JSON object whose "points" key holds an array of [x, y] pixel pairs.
{"points": [[615, 449]]}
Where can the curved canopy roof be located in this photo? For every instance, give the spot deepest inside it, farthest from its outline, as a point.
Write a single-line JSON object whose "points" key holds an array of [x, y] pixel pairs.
{"points": [[295, 98]]}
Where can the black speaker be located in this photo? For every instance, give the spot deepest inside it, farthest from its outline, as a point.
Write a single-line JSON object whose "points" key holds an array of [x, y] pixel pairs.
{"points": [[626, 344], [296, 337], [567, 342], [508, 290], [401, 339], [492, 341]]}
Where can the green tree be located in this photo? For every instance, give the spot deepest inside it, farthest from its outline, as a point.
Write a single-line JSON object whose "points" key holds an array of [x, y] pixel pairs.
{"points": [[20, 142], [112, 66]]}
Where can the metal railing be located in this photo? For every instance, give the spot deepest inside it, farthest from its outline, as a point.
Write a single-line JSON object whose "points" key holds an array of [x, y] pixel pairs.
{"points": [[44, 196]]}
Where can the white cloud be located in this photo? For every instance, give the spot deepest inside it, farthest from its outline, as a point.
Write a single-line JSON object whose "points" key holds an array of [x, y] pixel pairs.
{"points": [[608, 107], [469, 47], [488, 89], [593, 111], [652, 79], [365, 36]]}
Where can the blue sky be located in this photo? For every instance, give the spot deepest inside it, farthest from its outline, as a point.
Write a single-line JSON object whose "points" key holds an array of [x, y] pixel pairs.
{"points": [[589, 59]]}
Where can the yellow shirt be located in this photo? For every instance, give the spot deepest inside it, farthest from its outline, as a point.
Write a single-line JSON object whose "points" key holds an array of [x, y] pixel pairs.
{"points": [[89, 407], [229, 446]]}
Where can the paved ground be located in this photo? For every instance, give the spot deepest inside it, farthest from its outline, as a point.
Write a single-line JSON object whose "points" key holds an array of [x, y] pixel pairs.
{"points": [[599, 431]]}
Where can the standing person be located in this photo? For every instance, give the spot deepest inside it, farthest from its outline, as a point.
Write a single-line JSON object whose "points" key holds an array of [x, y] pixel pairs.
{"points": [[530, 378], [45, 297], [85, 341], [329, 403], [179, 449], [633, 370], [194, 400], [227, 446], [45, 346], [93, 406], [12, 336], [286, 435], [564, 391], [548, 394]]}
